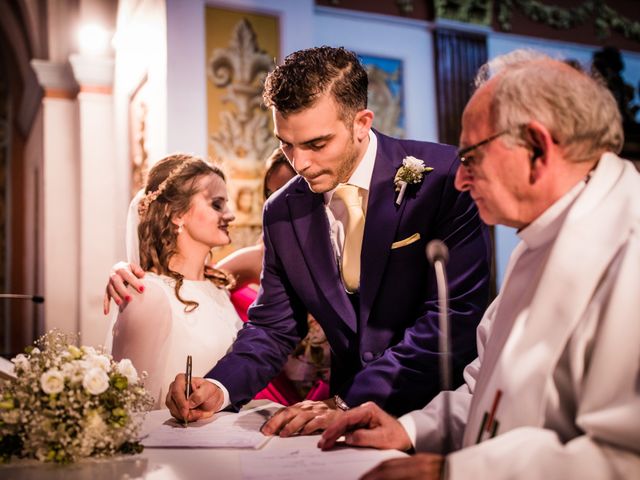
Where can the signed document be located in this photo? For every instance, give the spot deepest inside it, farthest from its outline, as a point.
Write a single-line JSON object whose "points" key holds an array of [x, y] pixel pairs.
{"points": [[310, 462], [223, 430]]}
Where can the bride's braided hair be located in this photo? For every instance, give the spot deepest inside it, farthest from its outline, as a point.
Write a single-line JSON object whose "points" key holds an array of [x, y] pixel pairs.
{"points": [[171, 184]]}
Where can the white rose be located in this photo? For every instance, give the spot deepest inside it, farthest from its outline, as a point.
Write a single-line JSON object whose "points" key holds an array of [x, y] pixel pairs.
{"points": [[52, 381], [98, 361], [95, 381], [22, 362], [126, 369], [413, 163], [74, 371]]}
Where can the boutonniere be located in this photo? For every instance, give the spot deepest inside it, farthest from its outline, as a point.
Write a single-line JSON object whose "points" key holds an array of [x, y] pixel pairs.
{"points": [[411, 171]]}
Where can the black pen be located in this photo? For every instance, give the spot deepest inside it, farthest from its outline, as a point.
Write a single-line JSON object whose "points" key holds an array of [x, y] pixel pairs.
{"points": [[187, 388]]}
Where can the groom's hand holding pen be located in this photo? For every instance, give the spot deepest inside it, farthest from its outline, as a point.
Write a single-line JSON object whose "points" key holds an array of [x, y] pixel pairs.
{"points": [[190, 400]]}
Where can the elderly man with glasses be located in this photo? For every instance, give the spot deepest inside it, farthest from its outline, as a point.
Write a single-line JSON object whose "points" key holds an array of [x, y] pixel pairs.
{"points": [[555, 390]]}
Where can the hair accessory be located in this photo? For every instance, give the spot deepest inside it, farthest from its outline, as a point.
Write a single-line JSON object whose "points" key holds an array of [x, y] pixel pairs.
{"points": [[152, 196]]}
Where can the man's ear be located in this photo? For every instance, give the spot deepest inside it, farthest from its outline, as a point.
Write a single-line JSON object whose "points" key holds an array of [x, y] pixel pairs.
{"points": [[362, 124], [540, 144]]}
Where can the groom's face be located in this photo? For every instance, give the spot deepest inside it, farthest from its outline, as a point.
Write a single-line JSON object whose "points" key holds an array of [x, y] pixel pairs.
{"points": [[322, 147]]}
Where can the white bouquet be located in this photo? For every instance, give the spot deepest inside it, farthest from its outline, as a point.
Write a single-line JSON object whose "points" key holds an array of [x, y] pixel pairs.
{"points": [[67, 403]]}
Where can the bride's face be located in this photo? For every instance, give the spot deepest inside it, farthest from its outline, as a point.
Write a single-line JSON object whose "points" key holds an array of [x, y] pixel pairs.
{"points": [[207, 220]]}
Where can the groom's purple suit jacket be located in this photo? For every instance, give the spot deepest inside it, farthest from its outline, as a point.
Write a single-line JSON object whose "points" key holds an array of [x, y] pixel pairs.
{"points": [[387, 351]]}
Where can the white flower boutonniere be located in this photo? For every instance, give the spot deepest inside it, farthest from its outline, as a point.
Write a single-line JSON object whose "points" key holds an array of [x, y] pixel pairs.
{"points": [[411, 171]]}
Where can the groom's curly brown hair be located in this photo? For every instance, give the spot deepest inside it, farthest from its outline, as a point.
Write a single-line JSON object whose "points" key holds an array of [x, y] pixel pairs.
{"points": [[307, 74]]}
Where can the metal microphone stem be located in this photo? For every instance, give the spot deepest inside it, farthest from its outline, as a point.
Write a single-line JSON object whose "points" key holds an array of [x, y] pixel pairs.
{"points": [[443, 340], [445, 351], [21, 296]]}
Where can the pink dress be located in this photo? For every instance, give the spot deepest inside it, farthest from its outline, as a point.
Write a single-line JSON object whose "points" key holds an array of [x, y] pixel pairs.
{"points": [[306, 374]]}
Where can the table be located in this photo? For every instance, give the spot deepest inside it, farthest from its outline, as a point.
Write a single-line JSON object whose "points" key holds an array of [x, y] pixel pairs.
{"points": [[281, 459]]}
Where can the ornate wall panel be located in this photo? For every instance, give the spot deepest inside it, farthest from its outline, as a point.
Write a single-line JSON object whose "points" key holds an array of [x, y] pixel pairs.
{"points": [[241, 48]]}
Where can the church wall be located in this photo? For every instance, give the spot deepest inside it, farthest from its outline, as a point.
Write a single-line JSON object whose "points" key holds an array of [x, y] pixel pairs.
{"points": [[383, 36]]}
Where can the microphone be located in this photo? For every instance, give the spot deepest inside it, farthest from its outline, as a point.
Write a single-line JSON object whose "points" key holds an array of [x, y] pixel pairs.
{"points": [[437, 251], [438, 256], [21, 296]]}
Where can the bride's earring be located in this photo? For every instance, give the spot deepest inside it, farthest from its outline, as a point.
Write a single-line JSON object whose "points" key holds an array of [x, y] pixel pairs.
{"points": [[179, 229]]}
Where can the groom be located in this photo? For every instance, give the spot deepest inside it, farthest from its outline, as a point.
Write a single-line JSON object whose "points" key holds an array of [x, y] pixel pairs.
{"points": [[377, 306]]}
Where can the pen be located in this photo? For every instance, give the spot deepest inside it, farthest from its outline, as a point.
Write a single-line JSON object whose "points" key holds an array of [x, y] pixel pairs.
{"points": [[187, 388]]}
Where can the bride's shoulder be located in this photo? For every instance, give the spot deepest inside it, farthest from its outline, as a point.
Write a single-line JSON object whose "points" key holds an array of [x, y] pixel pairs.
{"points": [[160, 283], [157, 279], [155, 296]]}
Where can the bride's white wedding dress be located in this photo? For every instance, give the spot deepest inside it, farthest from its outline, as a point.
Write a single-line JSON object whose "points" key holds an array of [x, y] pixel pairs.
{"points": [[155, 332]]}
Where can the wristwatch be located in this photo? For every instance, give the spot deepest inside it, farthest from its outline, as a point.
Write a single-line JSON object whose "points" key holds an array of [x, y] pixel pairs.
{"points": [[340, 403]]}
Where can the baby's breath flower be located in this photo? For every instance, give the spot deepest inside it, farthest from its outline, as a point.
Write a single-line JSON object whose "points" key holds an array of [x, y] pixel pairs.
{"points": [[10, 416], [88, 350], [21, 362]]}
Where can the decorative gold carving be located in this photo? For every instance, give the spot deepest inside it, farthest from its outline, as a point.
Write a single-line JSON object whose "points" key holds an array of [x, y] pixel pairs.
{"points": [[244, 139], [138, 153], [241, 68]]}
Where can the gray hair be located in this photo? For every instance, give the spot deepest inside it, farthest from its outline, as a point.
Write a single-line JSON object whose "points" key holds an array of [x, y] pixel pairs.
{"points": [[578, 110]]}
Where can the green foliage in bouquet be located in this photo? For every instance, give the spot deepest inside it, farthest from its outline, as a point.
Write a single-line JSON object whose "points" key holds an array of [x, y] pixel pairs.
{"points": [[67, 403]]}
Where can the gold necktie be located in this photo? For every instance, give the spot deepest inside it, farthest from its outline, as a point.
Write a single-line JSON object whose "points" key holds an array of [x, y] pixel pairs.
{"points": [[354, 231]]}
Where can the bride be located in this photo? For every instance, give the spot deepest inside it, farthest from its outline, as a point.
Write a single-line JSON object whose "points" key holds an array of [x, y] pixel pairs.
{"points": [[185, 309]]}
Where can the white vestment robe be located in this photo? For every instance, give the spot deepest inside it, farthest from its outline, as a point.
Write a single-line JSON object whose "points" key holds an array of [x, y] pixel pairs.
{"points": [[555, 390]]}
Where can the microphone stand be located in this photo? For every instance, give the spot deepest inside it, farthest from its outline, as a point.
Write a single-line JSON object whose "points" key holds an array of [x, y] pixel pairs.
{"points": [[438, 255], [22, 296]]}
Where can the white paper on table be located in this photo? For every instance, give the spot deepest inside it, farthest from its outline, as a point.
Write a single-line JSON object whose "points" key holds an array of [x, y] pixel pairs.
{"points": [[223, 430], [313, 463], [7, 369]]}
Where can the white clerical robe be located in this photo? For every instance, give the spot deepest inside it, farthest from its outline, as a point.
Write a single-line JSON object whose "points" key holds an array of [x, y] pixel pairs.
{"points": [[555, 390]]}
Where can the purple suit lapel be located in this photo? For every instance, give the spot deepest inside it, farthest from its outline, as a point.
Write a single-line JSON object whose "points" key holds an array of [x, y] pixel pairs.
{"points": [[381, 222], [311, 227]]}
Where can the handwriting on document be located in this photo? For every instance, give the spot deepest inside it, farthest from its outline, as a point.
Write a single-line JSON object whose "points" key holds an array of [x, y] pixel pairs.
{"points": [[223, 430], [312, 463]]}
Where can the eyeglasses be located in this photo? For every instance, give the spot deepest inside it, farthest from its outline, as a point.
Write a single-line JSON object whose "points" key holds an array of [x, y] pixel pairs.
{"points": [[463, 154]]}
